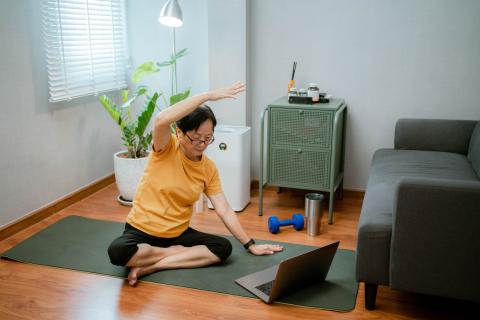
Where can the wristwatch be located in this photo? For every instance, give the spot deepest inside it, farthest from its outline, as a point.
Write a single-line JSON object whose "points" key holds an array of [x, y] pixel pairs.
{"points": [[248, 244]]}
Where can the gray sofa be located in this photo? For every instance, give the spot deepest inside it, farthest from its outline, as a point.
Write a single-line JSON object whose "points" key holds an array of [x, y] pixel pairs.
{"points": [[419, 227]]}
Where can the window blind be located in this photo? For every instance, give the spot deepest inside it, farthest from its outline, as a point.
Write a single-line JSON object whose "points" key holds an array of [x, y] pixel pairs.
{"points": [[85, 47]]}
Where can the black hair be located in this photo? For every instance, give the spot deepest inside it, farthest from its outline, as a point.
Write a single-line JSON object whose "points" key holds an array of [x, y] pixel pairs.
{"points": [[194, 119]]}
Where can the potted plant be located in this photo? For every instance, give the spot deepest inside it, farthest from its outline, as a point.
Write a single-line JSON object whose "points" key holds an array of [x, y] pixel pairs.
{"points": [[150, 67], [129, 164]]}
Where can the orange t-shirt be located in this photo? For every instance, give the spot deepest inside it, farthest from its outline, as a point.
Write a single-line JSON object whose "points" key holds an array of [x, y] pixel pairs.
{"points": [[169, 187]]}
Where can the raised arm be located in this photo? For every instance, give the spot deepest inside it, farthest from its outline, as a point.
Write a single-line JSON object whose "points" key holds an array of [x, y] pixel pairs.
{"points": [[161, 128]]}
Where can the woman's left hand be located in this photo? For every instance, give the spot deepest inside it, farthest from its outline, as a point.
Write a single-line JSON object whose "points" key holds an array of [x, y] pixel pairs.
{"points": [[226, 92], [262, 249]]}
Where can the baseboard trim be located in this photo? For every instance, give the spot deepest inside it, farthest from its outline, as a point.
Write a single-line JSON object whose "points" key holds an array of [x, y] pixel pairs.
{"points": [[353, 191], [55, 206]]}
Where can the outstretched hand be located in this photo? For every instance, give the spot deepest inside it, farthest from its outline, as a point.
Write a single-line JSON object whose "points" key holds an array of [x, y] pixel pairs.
{"points": [[262, 249], [227, 92]]}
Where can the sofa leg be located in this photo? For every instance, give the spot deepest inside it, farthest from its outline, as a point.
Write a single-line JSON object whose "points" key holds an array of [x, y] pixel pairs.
{"points": [[370, 295]]}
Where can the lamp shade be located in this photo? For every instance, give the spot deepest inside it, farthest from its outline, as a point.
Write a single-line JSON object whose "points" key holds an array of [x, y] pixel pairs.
{"points": [[171, 14]]}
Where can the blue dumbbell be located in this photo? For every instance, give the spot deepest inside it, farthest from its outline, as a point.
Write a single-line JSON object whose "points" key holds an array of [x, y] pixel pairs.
{"points": [[274, 224]]}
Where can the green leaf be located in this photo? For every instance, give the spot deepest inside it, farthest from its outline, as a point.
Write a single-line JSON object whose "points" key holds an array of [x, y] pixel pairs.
{"points": [[143, 144], [173, 128], [173, 59], [128, 136], [179, 97], [144, 69], [112, 110], [178, 55], [148, 139], [127, 104], [141, 90], [164, 64], [124, 94], [145, 116]]}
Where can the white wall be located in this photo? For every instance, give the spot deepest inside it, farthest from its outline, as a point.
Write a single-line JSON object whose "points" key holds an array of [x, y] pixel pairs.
{"points": [[149, 40], [47, 150], [388, 59], [227, 56]]}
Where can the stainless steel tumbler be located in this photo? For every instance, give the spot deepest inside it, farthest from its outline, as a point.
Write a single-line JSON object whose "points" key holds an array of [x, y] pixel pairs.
{"points": [[201, 204], [313, 212]]}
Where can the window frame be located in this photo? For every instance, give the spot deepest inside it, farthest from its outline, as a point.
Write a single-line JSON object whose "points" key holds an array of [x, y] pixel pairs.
{"points": [[85, 47]]}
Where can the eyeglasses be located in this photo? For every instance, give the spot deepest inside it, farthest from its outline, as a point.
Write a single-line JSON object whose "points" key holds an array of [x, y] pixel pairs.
{"points": [[199, 142]]}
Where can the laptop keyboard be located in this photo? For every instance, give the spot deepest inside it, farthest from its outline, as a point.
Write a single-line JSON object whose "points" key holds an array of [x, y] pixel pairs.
{"points": [[266, 287]]}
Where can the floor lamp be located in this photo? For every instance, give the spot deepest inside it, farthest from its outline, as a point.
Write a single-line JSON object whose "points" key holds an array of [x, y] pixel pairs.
{"points": [[171, 16]]}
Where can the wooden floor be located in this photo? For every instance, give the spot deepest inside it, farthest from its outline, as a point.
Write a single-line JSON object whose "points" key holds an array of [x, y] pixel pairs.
{"points": [[38, 292]]}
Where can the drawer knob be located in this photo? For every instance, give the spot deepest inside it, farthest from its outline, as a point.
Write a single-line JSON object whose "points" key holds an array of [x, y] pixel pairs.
{"points": [[299, 150], [300, 111]]}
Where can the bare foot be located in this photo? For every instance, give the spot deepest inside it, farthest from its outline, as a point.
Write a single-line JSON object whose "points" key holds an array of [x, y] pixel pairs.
{"points": [[137, 272], [133, 276]]}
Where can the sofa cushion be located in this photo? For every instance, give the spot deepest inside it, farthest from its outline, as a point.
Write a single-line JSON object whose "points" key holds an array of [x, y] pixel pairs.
{"points": [[375, 224], [474, 149], [389, 165]]}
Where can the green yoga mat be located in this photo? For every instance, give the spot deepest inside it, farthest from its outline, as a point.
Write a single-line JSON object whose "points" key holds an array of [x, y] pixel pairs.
{"points": [[81, 244]]}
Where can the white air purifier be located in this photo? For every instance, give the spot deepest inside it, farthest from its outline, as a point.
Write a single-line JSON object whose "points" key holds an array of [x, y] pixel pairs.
{"points": [[231, 153]]}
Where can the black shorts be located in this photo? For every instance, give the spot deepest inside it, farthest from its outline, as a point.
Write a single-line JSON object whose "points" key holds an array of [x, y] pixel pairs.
{"points": [[124, 247]]}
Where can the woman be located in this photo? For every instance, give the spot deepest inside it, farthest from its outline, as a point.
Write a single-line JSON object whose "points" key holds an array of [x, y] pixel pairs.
{"points": [[157, 235]]}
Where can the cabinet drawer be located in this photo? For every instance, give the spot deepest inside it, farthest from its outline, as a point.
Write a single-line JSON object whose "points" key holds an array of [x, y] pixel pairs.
{"points": [[301, 127], [301, 168]]}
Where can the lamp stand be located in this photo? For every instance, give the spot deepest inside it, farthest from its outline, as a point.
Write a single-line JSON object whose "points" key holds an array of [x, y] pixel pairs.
{"points": [[174, 67]]}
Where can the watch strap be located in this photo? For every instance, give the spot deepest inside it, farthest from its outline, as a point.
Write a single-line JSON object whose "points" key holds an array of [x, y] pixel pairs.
{"points": [[248, 244]]}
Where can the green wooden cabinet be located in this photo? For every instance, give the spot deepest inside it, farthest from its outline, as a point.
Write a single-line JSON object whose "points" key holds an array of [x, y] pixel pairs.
{"points": [[305, 147]]}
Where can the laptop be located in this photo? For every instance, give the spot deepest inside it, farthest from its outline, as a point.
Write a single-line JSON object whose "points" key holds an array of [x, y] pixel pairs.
{"points": [[291, 274]]}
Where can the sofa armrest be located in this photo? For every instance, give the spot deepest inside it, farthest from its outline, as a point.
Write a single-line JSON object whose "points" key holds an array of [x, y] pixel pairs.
{"points": [[435, 238], [434, 135]]}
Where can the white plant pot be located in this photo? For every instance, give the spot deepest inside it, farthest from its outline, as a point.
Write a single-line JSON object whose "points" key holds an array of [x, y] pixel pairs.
{"points": [[127, 175]]}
